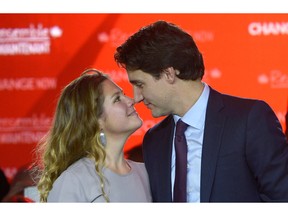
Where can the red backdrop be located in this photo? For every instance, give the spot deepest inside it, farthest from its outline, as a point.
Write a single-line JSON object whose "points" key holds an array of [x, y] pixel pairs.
{"points": [[244, 54]]}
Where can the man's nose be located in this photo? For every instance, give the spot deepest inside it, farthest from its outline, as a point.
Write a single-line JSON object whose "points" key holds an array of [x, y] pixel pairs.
{"points": [[138, 96]]}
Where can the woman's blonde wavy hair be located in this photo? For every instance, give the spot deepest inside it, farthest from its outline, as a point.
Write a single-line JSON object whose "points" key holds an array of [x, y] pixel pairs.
{"points": [[75, 131]]}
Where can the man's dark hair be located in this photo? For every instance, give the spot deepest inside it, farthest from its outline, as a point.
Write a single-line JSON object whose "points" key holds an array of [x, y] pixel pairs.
{"points": [[159, 46]]}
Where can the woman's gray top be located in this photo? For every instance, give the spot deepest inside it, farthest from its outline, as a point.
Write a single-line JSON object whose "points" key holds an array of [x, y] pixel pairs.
{"points": [[80, 183]]}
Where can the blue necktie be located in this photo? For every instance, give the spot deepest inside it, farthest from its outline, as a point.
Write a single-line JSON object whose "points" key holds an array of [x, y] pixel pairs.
{"points": [[180, 185]]}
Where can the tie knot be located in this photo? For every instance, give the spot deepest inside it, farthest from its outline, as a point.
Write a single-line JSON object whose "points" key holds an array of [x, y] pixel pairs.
{"points": [[181, 127]]}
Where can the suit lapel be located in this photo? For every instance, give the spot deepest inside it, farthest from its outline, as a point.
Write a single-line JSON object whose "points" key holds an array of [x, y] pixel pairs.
{"points": [[214, 125], [165, 158], [157, 154]]}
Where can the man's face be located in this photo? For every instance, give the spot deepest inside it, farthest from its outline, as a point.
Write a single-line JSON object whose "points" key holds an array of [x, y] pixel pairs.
{"points": [[153, 92]]}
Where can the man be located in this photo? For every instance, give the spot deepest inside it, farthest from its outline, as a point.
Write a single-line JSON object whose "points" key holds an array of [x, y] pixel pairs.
{"points": [[237, 151]]}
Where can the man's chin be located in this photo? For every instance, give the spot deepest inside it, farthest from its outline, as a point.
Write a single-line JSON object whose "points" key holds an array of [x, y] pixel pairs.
{"points": [[156, 114]]}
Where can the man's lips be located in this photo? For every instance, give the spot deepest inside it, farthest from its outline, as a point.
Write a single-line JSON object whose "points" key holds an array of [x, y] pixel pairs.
{"points": [[148, 105]]}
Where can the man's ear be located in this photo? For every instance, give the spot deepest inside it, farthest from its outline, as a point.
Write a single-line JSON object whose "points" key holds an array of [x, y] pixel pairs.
{"points": [[170, 74]]}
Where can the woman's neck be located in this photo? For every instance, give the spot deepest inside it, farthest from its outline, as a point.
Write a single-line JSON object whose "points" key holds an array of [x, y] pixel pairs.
{"points": [[117, 164]]}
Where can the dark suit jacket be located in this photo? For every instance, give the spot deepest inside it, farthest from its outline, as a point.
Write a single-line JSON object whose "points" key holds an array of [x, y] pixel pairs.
{"points": [[244, 155]]}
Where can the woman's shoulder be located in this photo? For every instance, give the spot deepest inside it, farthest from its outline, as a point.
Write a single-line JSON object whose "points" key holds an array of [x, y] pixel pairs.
{"points": [[79, 167], [78, 183], [80, 172]]}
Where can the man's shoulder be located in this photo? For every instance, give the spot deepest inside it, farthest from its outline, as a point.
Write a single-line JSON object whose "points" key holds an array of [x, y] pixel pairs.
{"points": [[233, 103], [232, 99]]}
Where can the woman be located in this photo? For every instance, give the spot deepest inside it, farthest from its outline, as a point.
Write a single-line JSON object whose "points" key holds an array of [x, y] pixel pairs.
{"points": [[83, 159]]}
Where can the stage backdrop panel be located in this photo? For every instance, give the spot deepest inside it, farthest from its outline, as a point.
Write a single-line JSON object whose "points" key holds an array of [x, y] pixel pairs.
{"points": [[245, 55]]}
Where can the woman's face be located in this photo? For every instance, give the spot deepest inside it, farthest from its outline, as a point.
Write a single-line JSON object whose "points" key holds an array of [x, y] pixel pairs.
{"points": [[119, 115]]}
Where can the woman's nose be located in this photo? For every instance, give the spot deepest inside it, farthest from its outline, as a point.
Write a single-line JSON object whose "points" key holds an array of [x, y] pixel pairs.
{"points": [[130, 101]]}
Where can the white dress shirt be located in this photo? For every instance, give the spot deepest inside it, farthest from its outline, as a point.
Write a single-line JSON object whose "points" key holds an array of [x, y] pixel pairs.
{"points": [[195, 118]]}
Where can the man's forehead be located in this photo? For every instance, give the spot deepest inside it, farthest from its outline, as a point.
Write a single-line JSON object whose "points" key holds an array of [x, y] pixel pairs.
{"points": [[136, 75]]}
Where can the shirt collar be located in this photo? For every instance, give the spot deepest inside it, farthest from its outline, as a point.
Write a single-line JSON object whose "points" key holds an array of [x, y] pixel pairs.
{"points": [[195, 116]]}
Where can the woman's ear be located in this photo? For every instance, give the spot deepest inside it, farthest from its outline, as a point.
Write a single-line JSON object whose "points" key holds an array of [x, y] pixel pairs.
{"points": [[170, 74], [101, 122]]}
